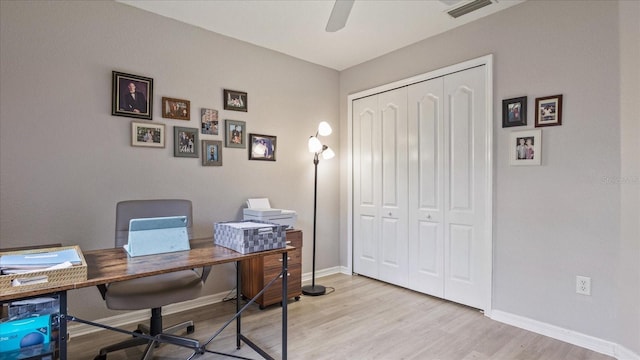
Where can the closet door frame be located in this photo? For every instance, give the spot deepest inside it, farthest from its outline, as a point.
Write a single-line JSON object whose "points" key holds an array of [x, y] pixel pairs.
{"points": [[487, 62]]}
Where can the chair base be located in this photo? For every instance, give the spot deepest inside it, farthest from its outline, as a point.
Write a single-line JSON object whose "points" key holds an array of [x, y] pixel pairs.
{"points": [[151, 345]]}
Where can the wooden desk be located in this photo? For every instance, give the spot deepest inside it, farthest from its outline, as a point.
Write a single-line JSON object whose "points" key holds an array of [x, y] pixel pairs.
{"points": [[112, 265]]}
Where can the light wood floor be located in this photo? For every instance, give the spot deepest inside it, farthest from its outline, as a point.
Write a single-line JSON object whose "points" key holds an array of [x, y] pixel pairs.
{"points": [[361, 319]]}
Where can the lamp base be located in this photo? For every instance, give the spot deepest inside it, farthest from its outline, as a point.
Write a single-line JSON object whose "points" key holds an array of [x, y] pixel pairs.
{"points": [[316, 290]]}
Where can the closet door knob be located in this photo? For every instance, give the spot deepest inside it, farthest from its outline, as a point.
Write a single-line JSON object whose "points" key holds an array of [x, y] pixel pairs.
{"points": [[429, 217]]}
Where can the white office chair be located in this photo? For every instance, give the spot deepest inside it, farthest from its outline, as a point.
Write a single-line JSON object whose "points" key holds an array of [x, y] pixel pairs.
{"points": [[155, 291]]}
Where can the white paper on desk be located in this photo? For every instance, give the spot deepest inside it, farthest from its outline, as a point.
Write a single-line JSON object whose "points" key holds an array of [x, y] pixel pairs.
{"points": [[63, 265], [39, 279]]}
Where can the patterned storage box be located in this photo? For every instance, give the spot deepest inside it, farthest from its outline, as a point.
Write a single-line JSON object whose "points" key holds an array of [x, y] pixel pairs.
{"points": [[249, 236]]}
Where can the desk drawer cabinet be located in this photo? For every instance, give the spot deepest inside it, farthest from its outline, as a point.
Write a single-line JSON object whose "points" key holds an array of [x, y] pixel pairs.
{"points": [[257, 272]]}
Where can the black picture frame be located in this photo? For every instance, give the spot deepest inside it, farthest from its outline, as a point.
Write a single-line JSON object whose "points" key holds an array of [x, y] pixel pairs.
{"points": [[235, 100], [185, 142], [139, 105], [263, 147], [514, 112]]}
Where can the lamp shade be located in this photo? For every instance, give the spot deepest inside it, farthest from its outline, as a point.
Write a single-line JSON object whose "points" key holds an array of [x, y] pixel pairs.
{"points": [[324, 129], [328, 153], [314, 144]]}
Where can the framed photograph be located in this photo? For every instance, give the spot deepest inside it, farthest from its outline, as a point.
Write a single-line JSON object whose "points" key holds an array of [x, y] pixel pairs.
{"points": [[235, 134], [209, 121], [549, 111], [211, 153], [525, 147], [263, 147], [234, 100], [147, 134], [131, 96], [176, 109], [185, 142], [514, 112]]}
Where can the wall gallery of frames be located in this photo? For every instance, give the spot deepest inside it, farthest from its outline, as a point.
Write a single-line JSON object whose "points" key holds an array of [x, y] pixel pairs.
{"points": [[525, 146], [132, 96]]}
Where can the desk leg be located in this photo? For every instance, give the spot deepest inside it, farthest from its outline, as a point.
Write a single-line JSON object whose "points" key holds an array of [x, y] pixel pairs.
{"points": [[285, 300], [62, 323], [238, 295]]}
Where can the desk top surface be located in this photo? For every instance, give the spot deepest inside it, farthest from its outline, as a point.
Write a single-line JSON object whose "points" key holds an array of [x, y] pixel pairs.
{"points": [[113, 264]]}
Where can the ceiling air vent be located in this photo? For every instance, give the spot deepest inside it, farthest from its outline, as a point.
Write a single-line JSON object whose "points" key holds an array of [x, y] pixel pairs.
{"points": [[469, 7]]}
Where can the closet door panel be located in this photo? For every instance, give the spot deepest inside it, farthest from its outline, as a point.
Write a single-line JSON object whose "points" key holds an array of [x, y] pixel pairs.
{"points": [[366, 198], [426, 252], [465, 179], [394, 192]]}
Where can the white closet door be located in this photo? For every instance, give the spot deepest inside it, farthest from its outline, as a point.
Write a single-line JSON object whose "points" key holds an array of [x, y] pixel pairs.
{"points": [[380, 186], [366, 185], [466, 267], [426, 186], [393, 206]]}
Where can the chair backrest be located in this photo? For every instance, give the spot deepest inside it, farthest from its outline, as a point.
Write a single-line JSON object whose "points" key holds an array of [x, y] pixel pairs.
{"points": [[135, 209]]}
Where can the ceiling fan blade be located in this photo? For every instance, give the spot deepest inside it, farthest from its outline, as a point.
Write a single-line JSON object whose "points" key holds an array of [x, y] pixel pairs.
{"points": [[339, 15]]}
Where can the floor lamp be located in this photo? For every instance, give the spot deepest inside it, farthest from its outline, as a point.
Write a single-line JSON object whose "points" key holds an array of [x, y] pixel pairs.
{"points": [[317, 148]]}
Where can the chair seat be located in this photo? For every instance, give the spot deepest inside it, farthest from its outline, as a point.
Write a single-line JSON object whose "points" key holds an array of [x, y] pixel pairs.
{"points": [[154, 291]]}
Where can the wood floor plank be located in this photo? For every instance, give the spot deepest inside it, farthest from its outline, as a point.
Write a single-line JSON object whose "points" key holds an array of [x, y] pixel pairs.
{"points": [[361, 319]]}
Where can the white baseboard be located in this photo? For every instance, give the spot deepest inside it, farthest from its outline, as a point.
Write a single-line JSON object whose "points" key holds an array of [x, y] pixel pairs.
{"points": [[321, 273], [572, 337]]}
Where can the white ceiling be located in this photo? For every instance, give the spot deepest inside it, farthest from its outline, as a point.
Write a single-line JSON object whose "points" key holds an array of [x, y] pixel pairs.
{"points": [[297, 27]]}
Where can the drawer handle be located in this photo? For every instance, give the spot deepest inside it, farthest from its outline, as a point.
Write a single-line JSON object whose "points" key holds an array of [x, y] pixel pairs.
{"points": [[288, 258], [288, 274]]}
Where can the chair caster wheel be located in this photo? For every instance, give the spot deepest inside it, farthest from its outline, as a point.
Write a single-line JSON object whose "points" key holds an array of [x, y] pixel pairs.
{"points": [[297, 298], [100, 357], [191, 329]]}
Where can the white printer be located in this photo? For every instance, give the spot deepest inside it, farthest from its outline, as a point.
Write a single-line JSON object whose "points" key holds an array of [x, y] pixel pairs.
{"points": [[260, 209]]}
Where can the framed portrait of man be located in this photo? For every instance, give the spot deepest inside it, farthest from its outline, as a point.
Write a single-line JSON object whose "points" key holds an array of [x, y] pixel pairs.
{"points": [[132, 96]]}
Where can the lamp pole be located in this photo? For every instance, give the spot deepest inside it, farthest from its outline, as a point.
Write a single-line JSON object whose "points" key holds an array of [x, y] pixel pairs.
{"points": [[314, 290]]}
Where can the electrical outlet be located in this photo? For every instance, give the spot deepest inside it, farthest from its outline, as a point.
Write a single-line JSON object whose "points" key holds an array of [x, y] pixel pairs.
{"points": [[583, 285]]}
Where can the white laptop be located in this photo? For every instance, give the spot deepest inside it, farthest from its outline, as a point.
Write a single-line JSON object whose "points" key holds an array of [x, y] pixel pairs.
{"points": [[157, 235]]}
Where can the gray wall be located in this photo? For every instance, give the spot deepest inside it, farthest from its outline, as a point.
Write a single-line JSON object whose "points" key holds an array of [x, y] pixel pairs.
{"points": [[561, 219], [65, 161]]}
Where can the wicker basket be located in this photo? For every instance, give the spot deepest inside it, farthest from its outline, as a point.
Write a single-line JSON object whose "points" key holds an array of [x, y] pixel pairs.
{"points": [[58, 277]]}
